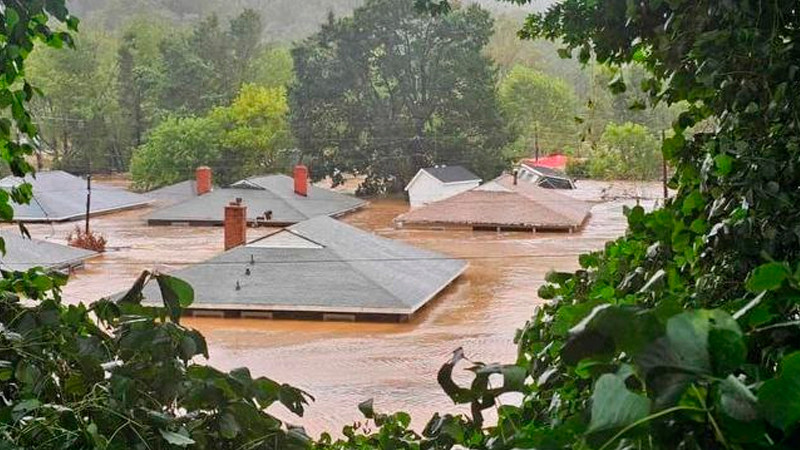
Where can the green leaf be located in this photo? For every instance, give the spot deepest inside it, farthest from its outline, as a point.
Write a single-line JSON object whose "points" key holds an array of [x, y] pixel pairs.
{"points": [[134, 294], [736, 400], [175, 438], [228, 426], [366, 408], [779, 398], [723, 163], [767, 277], [175, 293], [614, 406]]}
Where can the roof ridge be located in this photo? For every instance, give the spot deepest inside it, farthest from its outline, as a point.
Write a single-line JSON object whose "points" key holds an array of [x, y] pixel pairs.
{"points": [[350, 263]]}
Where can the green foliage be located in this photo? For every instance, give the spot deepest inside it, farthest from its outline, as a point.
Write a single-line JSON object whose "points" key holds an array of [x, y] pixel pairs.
{"points": [[206, 67], [392, 90], [174, 149], [128, 379], [625, 152], [21, 25], [248, 137], [80, 118], [256, 137], [272, 67], [541, 109]]}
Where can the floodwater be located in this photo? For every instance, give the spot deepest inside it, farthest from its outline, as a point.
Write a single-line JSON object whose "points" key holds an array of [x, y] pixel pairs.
{"points": [[342, 364]]}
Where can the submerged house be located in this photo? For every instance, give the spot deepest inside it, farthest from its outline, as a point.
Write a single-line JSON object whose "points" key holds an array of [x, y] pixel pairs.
{"points": [[23, 254], [320, 269], [59, 196], [504, 204], [432, 184], [544, 177], [272, 200]]}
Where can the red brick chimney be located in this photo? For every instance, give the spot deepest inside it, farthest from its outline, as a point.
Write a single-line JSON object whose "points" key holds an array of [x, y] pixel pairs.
{"points": [[235, 224], [301, 180], [202, 180]]}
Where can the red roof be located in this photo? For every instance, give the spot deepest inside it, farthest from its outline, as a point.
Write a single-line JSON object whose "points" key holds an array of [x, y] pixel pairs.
{"points": [[552, 162]]}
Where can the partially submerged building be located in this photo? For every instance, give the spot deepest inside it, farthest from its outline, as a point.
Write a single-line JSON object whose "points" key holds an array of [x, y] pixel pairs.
{"points": [[23, 254], [504, 204], [319, 269], [59, 196], [544, 177], [272, 200], [432, 184]]}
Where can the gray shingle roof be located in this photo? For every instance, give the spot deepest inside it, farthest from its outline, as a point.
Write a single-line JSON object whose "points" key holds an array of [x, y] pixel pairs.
{"points": [[59, 196], [174, 193], [23, 253], [260, 194], [337, 269], [451, 174]]}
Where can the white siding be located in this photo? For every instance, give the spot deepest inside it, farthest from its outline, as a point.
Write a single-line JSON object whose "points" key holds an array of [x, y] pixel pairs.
{"points": [[427, 189]]}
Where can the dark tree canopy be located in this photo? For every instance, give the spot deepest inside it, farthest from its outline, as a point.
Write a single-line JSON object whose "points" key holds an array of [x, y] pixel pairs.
{"points": [[391, 90]]}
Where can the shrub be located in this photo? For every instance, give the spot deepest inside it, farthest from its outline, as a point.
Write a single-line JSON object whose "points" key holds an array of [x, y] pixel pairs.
{"points": [[90, 240]]}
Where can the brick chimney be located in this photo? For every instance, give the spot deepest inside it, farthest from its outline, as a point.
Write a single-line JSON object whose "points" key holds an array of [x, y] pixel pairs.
{"points": [[202, 180], [301, 180], [235, 224]]}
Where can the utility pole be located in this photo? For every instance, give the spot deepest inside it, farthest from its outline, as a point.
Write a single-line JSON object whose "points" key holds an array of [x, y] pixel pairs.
{"points": [[663, 166], [88, 200], [536, 139]]}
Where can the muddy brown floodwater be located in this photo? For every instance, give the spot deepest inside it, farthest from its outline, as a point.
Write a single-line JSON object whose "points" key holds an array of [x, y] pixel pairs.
{"points": [[341, 364]]}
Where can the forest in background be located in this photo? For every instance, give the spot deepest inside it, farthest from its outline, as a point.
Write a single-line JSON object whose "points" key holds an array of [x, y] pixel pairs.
{"points": [[158, 90]]}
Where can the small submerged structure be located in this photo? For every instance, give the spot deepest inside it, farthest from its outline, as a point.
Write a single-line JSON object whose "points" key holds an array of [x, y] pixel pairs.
{"points": [[59, 196], [272, 200], [545, 177], [23, 254], [318, 269], [504, 204], [432, 184]]}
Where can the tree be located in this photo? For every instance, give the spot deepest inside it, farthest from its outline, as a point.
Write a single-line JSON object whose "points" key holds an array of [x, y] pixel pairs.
{"points": [[249, 137], [256, 137], [390, 90], [625, 152], [79, 112], [140, 73], [174, 149], [207, 67], [542, 111], [272, 67]]}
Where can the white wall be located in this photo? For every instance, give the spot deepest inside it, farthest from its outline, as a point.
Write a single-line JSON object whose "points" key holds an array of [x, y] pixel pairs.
{"points": [[427, 189]]}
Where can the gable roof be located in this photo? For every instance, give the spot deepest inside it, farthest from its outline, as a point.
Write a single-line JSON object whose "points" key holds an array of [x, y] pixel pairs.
{"points": [[260, 194], [501, 203], [59, 196], [23, 253], [321, 265], [446, 175]]}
